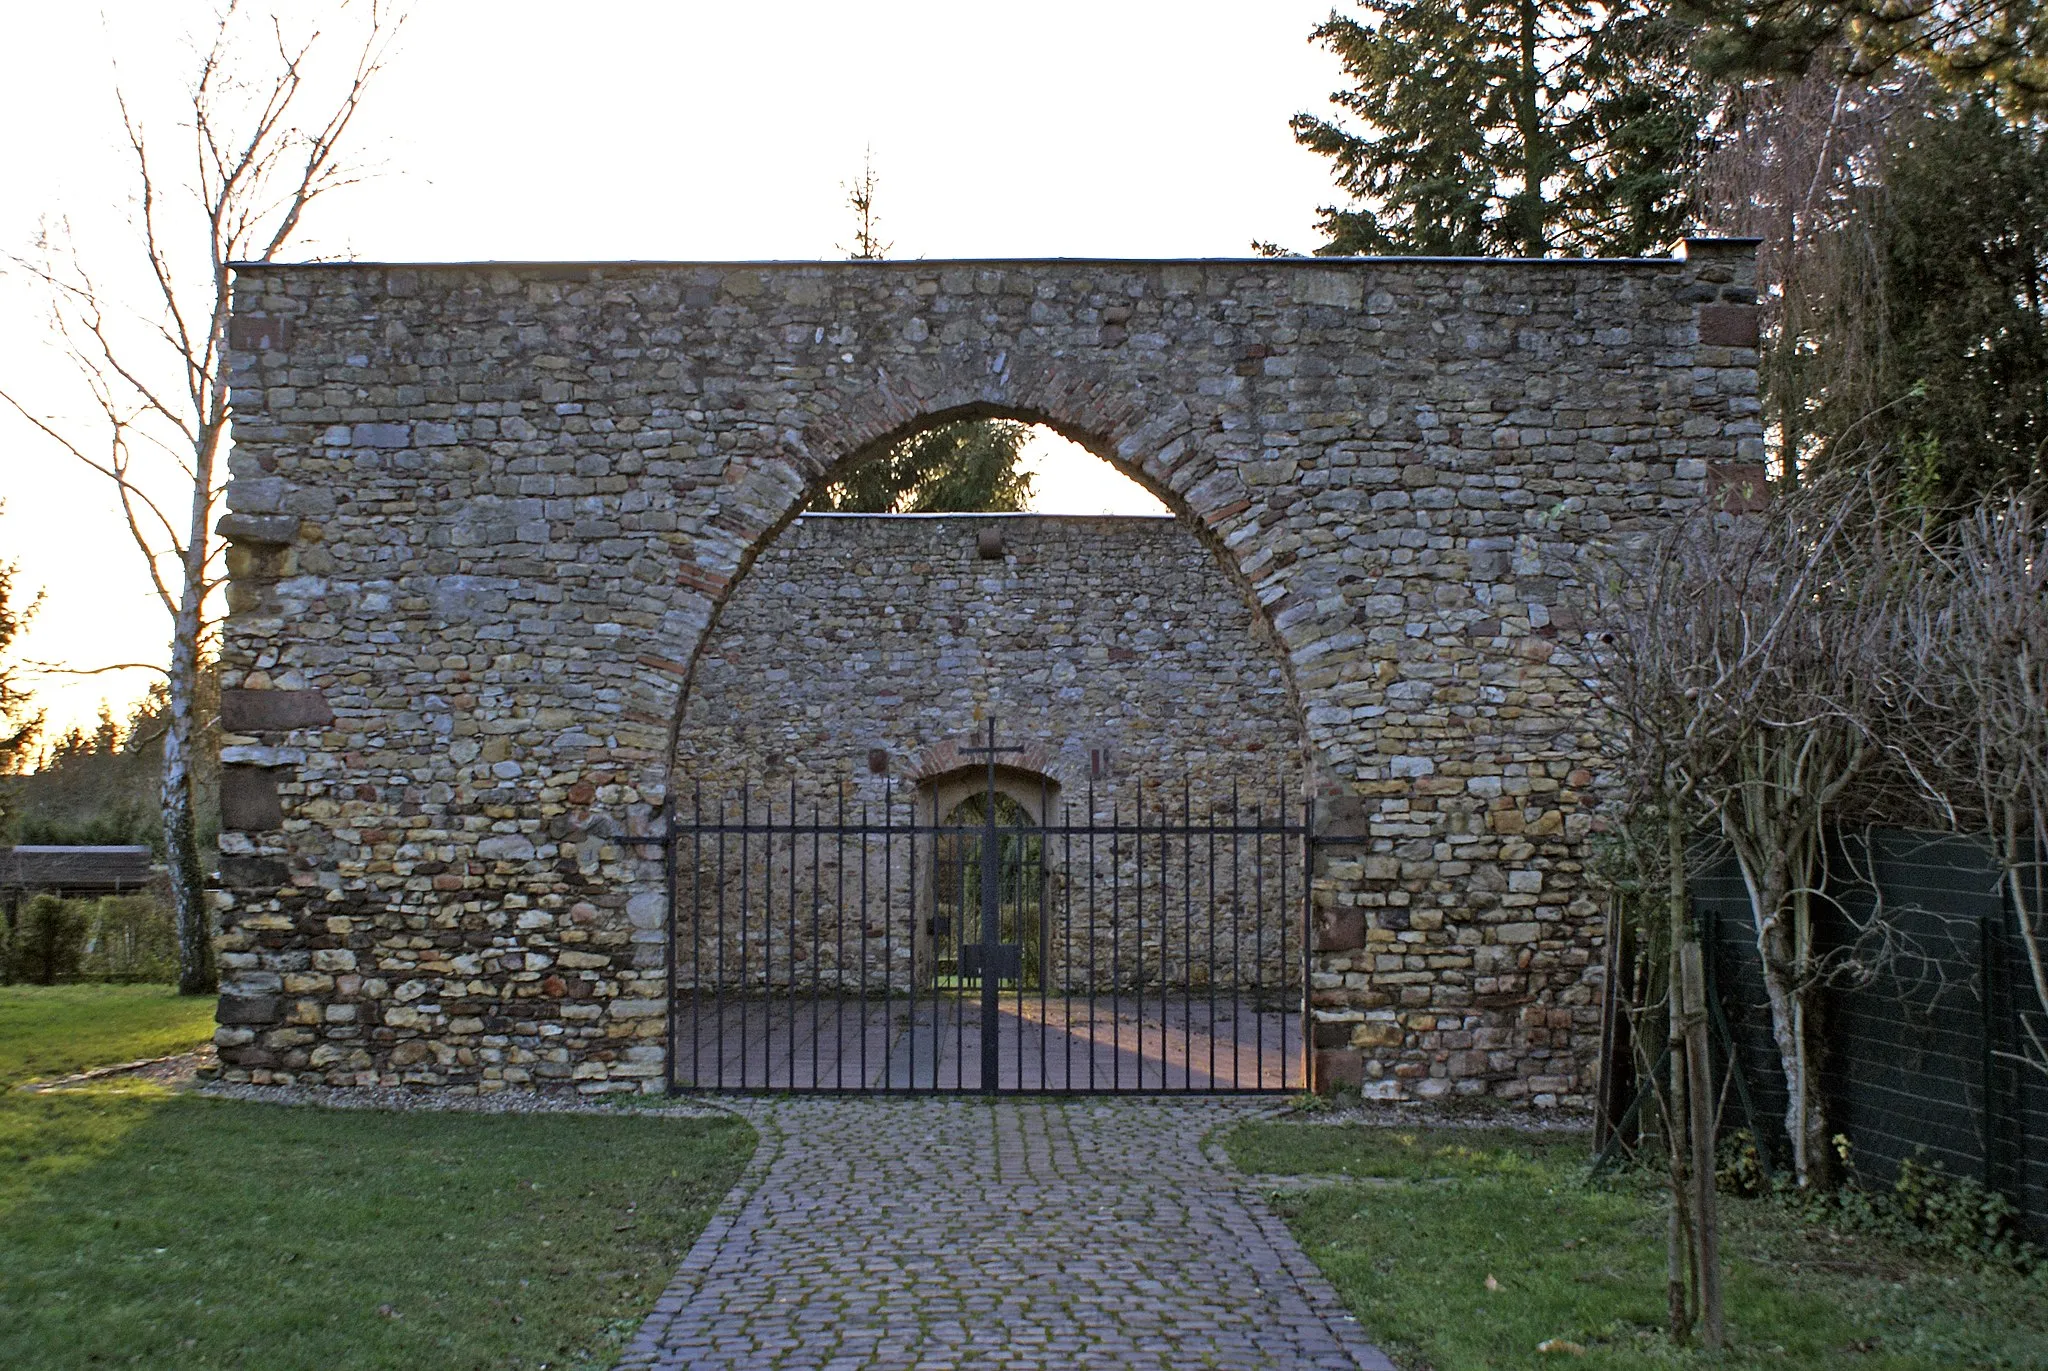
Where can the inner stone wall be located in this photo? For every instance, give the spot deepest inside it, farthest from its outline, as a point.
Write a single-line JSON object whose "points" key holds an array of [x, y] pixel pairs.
{"points": [[862, 653], [482, 516], [1115, 648]]}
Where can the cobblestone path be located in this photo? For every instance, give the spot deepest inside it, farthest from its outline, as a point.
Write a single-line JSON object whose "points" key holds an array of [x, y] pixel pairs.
{"points": [[1021, 1233]]}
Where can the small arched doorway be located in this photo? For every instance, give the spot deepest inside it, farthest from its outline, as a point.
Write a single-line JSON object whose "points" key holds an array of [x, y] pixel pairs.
{"points": [[992, 834]]}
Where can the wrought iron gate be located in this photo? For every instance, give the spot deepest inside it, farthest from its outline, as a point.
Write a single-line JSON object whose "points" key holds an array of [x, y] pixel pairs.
{"points": [[988, 950]]}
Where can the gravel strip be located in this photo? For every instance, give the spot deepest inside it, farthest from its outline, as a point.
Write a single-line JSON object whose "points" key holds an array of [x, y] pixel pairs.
{"points": [[440, 1101], [177, 1071], [1430, 1114]]}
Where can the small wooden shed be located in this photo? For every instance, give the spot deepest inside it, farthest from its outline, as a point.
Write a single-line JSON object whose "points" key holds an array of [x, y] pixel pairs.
{"points": [[72, 872]]}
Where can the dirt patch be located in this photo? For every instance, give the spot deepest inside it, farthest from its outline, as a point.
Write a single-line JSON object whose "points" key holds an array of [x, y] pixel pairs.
{"points": [[180, 1071]]}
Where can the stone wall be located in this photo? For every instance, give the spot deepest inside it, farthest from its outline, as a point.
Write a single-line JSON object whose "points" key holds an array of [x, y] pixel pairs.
{"points": [[483, 515]]}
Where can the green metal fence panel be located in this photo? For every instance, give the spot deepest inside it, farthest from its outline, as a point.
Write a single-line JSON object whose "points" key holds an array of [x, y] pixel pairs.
{"points": [[1922, 1017]]}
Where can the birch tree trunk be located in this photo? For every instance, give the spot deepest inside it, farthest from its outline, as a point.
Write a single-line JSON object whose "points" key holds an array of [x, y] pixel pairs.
{"points": [[1771, 819], [178, 792]]}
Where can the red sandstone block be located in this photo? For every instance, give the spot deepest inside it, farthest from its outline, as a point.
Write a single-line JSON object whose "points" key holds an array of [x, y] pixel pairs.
{"points": [[1729, 326], [1341, 930], [1337, 1069]]}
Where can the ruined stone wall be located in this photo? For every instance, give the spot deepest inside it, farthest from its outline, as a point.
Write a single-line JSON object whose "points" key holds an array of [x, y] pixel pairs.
{"points": [[482, 516]]}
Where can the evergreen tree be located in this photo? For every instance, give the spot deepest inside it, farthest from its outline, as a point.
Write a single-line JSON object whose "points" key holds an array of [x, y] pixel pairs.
{"points": [[860, 198], [1965, 237], [97, 785], [967, 465], [1997, 48], [17, 726], [1798, 162], [1508, 127]]}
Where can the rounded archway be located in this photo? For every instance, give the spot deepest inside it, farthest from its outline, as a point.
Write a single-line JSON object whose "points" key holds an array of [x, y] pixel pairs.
{"points": [[877, 686], [1149, 453]]}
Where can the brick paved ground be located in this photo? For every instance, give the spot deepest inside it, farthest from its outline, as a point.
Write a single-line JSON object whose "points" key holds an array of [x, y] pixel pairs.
{"points": [[1172, 1041], [1020, 1233]]}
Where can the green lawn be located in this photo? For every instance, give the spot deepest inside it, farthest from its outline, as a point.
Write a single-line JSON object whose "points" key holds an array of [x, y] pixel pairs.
{"points": [[58, 1029], [1585, 1264], [142, 1228]]}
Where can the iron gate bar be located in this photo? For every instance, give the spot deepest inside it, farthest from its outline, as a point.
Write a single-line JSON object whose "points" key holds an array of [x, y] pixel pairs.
{"points": [[789, 907], [863, 953], [817, 934], [1046, 960], [1258, 929], [1094, 944], [1118, 931], [1283, 938], [1208, 967], [1165, 936], [1238, 929], [1306, 1040], [746, 896], [1067, 924]]}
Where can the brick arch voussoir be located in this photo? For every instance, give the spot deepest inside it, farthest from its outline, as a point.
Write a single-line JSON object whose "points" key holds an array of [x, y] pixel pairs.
{"points": [[1141, 428], [951, 756], [1145, 431], [905, 396]]}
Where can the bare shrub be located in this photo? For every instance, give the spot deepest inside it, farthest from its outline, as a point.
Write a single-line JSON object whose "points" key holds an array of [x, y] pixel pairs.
{"points": [[1755, 658], [1975, 737]]}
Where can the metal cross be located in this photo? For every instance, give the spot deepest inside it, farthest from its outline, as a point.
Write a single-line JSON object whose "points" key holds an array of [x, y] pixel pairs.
{"points": [[993, 959]]}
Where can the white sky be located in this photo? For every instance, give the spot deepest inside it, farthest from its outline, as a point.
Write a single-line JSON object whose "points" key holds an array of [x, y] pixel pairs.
{"points": [[612, 129]]}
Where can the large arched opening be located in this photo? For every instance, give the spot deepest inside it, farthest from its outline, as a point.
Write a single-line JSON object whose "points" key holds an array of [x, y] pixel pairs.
{"points": [[836, 808]]}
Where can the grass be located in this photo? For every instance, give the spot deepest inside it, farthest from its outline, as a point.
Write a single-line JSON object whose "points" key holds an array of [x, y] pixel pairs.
{"points": [[142, 1228], [58, 1029], [1582, 1263], [1400, 1154]]}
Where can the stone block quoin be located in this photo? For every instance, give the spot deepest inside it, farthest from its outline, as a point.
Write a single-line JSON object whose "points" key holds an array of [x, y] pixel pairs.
{"points": [[272, 711], [249, 800], [485, 515]]}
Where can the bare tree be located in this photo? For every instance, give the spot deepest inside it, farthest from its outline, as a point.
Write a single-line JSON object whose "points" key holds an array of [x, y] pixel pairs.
{"points": [[1669, 727], [1797, 161], [262, 136], [1823, 567], [18, 726]]}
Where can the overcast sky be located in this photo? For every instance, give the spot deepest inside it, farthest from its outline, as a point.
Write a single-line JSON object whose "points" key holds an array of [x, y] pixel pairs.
{"points": [[616, 129]]}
